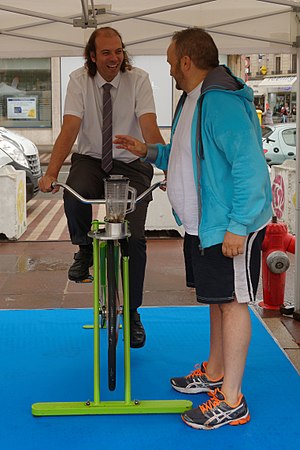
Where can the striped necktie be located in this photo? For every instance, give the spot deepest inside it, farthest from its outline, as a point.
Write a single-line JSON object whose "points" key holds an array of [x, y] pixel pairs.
{"points": [[106, 162]]}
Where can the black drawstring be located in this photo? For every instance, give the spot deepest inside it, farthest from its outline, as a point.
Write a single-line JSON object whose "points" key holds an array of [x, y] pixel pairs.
{"points": [[178, 107]]}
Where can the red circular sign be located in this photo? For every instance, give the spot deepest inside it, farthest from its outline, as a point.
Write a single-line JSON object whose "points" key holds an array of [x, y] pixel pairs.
{"points": [[278, 196]]}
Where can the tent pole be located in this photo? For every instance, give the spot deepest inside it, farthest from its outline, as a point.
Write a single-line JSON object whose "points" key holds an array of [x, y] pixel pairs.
{"points": [[296, 314]]}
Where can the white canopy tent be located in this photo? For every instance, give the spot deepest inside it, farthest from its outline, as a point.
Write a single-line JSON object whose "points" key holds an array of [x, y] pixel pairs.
{"points": [[60, 28], [34, 28]]}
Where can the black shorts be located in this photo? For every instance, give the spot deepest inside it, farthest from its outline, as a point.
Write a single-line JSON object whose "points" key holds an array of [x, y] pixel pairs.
{"points": [[219, 279]]}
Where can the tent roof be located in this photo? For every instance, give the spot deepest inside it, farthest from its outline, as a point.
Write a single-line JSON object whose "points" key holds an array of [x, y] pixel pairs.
{"points": [[35, 28]]}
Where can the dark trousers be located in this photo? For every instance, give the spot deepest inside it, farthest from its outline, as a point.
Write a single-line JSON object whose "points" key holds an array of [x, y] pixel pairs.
{"points": [[86, 177]]}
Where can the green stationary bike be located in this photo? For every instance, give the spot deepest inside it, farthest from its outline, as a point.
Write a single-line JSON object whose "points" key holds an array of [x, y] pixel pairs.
{"points": [[109, 241]]}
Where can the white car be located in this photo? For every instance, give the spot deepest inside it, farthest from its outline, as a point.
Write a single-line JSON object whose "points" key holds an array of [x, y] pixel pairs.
{"points": [[279, 142], [22, 154]]}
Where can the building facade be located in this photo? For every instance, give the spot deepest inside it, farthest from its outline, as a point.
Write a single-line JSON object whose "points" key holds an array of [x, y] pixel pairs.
{"points": [[273, 78], [32, 90]]}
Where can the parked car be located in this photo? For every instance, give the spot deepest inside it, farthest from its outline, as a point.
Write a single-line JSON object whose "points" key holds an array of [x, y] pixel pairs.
{"points": [[22, 154], [279, 142]]}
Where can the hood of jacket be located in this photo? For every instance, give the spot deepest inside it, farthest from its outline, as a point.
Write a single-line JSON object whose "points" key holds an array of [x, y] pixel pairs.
{"points": [[221, 78]]}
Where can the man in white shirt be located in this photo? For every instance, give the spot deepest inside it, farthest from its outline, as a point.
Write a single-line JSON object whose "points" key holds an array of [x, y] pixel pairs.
{"points": [[133, 112]]}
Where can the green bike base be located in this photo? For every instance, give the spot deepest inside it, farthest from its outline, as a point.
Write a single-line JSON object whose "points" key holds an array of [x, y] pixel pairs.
{"points": [[115, 407]]}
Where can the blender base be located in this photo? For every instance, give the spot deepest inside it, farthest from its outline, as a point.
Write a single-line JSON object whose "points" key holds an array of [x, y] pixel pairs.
{"points": [[112, 231]]}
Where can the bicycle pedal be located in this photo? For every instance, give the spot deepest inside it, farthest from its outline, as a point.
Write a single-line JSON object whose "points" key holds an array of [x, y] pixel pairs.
{"points": [[88, 279]]}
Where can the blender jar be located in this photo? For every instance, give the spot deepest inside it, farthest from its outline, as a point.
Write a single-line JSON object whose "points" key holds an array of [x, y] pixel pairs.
{"points": [[117, 190]]}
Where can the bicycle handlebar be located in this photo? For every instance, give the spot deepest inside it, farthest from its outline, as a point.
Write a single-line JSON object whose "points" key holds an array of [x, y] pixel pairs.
{"points": [[150, 189], [102, 200], [78, 196]]}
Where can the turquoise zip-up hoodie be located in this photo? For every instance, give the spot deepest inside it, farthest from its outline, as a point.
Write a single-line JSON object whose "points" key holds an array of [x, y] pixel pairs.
{"points": [[230, 171]]}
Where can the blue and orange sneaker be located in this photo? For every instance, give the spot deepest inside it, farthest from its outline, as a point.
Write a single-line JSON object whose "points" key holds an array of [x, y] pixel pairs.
{"points": [[196, 382], [216, 412]]}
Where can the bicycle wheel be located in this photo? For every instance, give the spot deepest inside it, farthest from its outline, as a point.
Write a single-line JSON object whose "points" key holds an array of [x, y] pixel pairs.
{"points": [[113, 310]]}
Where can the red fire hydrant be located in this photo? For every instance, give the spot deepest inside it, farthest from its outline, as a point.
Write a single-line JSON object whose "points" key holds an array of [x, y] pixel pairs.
{"points": [[275, 263]]}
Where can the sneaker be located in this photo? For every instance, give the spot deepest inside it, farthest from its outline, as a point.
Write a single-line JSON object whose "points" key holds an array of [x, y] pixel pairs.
{"points": [[83, 260], [216, 412], [196, 382], [137, 331]]}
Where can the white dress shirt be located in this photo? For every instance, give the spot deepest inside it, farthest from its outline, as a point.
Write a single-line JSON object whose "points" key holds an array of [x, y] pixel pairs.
{"points": [[132, 97]]}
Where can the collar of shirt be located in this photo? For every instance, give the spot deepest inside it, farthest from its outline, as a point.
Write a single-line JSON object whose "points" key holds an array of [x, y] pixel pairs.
{"points": [[100, 80], [196, 91]]}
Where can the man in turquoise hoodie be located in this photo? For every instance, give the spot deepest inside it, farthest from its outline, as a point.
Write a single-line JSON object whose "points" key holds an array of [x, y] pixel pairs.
{"points": [[219, 188]]}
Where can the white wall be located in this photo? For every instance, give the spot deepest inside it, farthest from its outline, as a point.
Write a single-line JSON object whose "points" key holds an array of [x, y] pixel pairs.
{"points": [[165, 95]]}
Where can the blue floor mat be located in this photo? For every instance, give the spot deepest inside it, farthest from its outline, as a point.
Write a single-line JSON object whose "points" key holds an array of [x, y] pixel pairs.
{"points": [[46, 355]]}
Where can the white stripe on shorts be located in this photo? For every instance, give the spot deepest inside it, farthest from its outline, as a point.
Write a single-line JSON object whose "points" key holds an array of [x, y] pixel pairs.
{"points": [[241, 267]]}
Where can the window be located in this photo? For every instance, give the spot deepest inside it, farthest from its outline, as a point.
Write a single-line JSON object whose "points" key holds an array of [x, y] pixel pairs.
{"points": [[278, 64], [289, 137], [25, 93], [247, 67], [294, 63], [266, 131]]}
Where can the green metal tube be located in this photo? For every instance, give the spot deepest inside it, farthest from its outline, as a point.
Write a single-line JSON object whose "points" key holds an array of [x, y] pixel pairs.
{"points": [[95, 227], [103, 283], [102, 246], [126, 312]]}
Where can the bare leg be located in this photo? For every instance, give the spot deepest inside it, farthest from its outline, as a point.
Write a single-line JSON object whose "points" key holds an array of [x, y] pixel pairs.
{"points": [[215, 366], [236, 327]]}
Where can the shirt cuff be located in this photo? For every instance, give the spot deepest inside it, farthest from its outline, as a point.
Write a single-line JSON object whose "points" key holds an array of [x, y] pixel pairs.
{"points": [[151, 153]]}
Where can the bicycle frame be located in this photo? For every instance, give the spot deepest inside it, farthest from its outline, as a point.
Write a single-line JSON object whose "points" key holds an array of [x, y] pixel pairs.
{"points": [[96, 406]]}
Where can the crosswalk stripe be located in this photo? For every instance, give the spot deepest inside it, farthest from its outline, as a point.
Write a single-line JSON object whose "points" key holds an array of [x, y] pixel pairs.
{"points": [[36, 233], [59, 229], [46, 220], [32, 215]]}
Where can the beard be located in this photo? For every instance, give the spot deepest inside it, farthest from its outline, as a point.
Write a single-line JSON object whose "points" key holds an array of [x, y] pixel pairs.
{"points": [[178, 78]]}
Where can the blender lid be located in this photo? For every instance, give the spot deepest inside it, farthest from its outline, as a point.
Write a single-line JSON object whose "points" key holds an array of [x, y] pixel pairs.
{"points": [[117, 178]]}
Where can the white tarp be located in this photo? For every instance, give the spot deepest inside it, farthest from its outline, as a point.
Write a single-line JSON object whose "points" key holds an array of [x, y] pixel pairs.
{"points": [[32, 28]]}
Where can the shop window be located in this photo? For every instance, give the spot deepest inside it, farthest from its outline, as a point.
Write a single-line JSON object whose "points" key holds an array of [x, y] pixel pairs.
{"points": [[25, 93]]}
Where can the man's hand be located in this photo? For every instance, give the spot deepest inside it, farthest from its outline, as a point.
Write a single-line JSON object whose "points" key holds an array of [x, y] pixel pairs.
{"points": [[131, 144], [233, 244], [45, 184]]}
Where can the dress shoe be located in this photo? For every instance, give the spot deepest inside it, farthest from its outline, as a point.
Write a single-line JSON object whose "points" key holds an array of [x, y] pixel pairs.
{"points": [[137, 331], [83, 260]]}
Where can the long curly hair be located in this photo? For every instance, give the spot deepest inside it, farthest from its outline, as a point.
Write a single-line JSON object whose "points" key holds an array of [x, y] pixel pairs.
{"points": [[90, 48]]}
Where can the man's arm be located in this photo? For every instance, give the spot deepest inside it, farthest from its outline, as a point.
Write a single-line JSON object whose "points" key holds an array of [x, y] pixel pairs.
{"points": [[62, 147], [151, 133], [150, 130], [131, 144]]}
